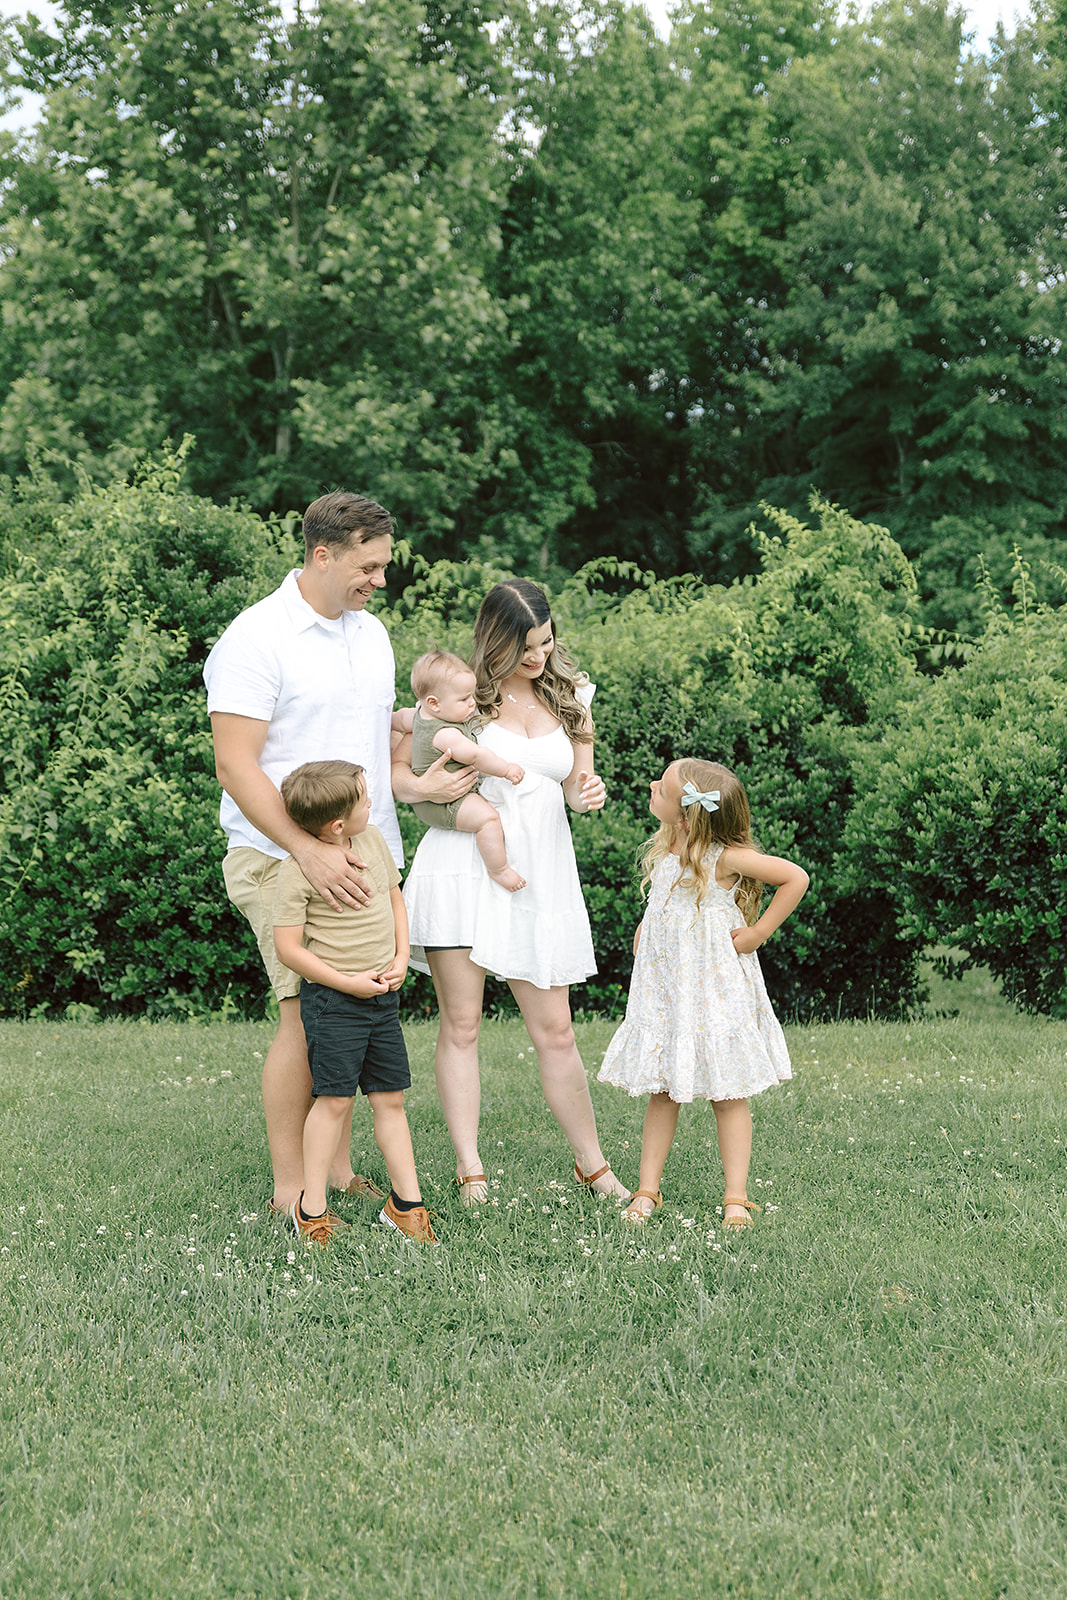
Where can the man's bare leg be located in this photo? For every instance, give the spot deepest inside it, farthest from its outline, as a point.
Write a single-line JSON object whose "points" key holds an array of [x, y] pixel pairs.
{"points": [[286, 1100]]}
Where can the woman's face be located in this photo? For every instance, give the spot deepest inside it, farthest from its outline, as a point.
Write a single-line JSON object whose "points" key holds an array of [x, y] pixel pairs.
{"points": [[539, 642]]}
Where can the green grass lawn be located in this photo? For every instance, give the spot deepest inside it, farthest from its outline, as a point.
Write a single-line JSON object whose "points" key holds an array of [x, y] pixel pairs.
{"points": [[863, 1395]]}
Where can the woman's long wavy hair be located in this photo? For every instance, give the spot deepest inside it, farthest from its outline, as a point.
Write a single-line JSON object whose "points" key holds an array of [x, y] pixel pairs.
{"points": [[505, 617], [731, 824]]}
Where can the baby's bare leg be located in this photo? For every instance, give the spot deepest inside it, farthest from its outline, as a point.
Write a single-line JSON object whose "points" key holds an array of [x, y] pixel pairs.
{"points": [[477, 816]]}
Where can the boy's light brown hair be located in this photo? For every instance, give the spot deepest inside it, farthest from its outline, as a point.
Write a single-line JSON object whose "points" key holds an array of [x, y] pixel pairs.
{"points": [[319, 791], [430, 670]]}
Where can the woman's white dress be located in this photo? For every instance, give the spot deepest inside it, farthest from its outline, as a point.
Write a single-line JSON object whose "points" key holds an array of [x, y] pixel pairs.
{"points": [[698, 1023], [540, 933]]}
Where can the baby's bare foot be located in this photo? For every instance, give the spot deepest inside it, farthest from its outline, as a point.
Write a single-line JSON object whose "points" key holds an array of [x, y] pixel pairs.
{"points": [[508, 879]]}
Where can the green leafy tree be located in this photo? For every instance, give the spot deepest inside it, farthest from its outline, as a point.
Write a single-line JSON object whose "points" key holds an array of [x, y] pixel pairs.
{"points": [[271, 234], [915, 365], [598, 230]]}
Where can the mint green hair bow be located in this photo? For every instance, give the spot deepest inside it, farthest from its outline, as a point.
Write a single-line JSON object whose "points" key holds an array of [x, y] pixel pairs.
{"points": [[691, 796]]}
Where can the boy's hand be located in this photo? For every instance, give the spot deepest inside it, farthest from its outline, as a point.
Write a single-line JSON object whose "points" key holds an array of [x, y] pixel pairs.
{"points": [[746, 940], [515, 774], [395, 974], [365, 985]]}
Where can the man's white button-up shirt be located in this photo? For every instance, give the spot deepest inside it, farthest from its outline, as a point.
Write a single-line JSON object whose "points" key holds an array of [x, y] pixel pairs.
{"points": [[325, 685]]}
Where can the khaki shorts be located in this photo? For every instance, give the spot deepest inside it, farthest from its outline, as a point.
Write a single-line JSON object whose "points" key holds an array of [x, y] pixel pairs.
{"points": [[250, 878]]}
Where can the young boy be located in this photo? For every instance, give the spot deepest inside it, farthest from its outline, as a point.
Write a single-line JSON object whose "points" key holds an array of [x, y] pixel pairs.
{"points": [[352, 962], [444, 722]]}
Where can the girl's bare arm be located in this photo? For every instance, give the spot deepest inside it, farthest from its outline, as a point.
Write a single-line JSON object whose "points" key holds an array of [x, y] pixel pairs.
{"points": [[790, 881]]}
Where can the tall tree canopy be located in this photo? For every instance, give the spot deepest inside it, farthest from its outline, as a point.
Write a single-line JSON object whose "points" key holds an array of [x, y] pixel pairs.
{"points": [[272, 235], [547, 285]]}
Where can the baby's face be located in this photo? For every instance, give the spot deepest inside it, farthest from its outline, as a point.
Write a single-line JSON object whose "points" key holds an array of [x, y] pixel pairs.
{"points": [[454, 700]]}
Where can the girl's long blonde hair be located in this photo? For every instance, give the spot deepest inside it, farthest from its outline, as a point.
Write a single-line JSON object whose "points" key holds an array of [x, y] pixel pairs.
{"points": [[505, 617], [731, 824]]}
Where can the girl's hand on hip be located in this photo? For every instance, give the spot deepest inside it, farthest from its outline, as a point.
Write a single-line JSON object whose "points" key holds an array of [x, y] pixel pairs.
{"points": [[746, 940]]}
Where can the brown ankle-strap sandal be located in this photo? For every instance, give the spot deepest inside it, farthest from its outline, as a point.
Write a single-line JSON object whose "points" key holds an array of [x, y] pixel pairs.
{"points": [[473, 1189], [737, 1222], [590, 1178], [634, 1213]]}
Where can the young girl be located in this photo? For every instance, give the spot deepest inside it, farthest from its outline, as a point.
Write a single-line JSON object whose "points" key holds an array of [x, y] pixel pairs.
{"points": [[698, 1023]]}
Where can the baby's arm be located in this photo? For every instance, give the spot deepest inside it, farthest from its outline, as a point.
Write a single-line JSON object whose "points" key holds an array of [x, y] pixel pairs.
{"points": [[790, 882], [395, 973], [289, 943], [454, 743], [402, 721]]}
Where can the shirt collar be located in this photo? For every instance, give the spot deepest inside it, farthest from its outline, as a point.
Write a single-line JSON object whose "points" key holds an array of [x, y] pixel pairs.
{"points": [[304, 616]]}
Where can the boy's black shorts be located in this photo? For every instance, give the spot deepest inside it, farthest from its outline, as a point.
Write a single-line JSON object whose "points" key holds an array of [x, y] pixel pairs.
{"points": [[353, 1043]]}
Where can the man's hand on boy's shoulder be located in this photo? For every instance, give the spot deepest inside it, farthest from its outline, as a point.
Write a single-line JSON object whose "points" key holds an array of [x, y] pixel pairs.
{"points": [[334, 873]]}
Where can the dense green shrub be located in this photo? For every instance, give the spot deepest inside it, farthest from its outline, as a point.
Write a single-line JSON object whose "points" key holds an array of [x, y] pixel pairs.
{"points": [[966, 819], [787, 678], [110, 890]]}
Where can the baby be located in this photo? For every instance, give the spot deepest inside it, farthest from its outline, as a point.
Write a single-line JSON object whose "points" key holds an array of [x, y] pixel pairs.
{"points": [[445, 723]]}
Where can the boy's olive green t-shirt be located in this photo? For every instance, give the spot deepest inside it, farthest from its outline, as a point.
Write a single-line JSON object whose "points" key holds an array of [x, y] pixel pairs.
{"points": [[356, 938]]}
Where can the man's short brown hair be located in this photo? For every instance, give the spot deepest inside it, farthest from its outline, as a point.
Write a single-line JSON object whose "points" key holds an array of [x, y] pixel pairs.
{"points": [[319, 791], [344, 520]]}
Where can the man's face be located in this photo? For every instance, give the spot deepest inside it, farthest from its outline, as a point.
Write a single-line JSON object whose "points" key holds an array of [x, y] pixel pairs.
{"points": [[348, 578]]}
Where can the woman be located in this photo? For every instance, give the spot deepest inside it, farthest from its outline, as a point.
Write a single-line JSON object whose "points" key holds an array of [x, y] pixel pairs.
{"points": [[538, 939]]}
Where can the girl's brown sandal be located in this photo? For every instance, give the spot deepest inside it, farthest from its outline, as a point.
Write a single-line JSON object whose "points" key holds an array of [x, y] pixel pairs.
{"points": [[737, 1222]]}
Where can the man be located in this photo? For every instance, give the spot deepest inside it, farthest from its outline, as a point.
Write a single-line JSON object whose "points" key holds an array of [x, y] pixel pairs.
{"points": [[305, 675]]}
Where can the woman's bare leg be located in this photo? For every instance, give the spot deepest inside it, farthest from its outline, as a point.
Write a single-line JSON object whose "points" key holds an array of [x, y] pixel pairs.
{"points": [[547, 1015], [460, 986]]}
